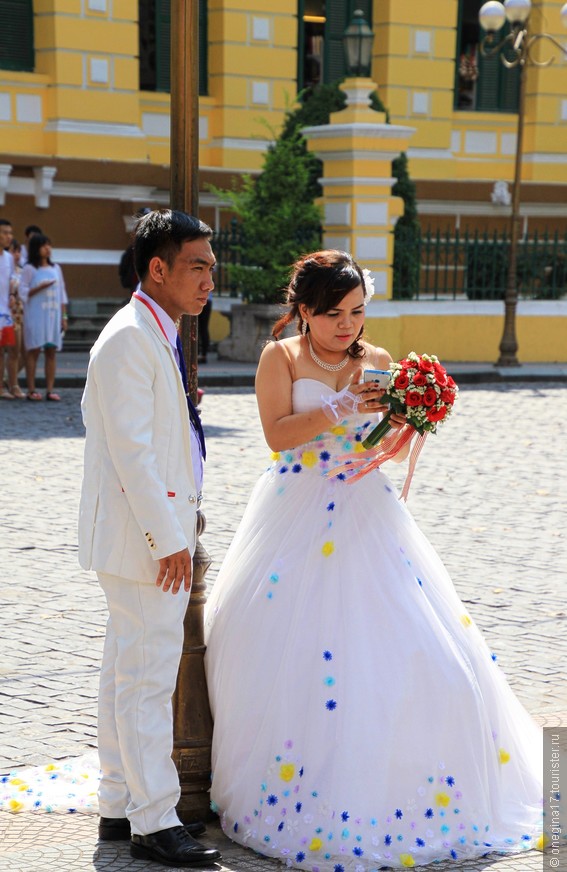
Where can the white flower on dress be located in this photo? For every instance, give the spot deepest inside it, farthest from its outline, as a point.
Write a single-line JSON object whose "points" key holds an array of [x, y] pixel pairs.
{"points": [[368, 281]]}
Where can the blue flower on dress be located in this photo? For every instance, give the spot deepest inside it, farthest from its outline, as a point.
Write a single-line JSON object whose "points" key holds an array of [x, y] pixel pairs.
{"points": [[272, 799], [389, 489], [329, 681], [399, 813], [327, 655], [299, 857], [296, 467], [387, 839], [358, 852], [339, 868], [454, 855], [266, 838], [345, 816], [298, 807], [526, 838], [450, 780], [283, 469], [358, 437], [341, 476], [420, 843], [325, 456], [428, 813], [330, 507], [494, 657], [419, 581], [345, 833], [280, 827], [301, 772]]}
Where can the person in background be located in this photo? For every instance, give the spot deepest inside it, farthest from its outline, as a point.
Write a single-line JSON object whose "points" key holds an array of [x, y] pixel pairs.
{"points": [[42, 288], [7, 332], [16, 352], [28, 232]]}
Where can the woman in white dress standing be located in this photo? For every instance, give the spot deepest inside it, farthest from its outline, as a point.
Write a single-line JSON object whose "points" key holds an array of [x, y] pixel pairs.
{"points": [[42, 289], [361, 721]]}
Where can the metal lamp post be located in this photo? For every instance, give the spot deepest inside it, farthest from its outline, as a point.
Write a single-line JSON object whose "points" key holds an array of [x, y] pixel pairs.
{"points": [[192, 719], [518, 45], [357, 42]]}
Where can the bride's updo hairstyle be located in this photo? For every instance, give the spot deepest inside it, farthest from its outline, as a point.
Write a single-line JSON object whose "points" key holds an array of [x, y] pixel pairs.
{"points": [[320, 281]]}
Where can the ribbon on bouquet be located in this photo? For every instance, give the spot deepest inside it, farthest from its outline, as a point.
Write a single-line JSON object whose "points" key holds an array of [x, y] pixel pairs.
{"points": [[367, 461]]}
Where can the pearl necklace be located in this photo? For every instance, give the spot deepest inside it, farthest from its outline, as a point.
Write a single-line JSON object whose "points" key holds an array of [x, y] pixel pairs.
{"points": [[330, 367]]}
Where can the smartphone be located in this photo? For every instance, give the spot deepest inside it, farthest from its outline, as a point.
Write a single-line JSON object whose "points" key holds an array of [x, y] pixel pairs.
{"points": [[380, 376]]}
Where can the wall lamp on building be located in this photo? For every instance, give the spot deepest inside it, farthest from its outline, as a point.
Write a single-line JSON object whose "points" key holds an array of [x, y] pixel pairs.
{"points": [[515, 50], [357, 42]]}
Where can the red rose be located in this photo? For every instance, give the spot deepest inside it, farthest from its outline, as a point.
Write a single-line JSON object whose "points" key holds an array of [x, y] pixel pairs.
{"points": [[413, 398], [425, 365], [419, 379], [408, 364], [440, 375], [436, 414], [430, 397], [447, 396], [402, 381], [450, 382]]}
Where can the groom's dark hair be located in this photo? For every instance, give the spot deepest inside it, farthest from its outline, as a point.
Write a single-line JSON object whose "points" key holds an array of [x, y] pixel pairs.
{"points": [[161, 233]]}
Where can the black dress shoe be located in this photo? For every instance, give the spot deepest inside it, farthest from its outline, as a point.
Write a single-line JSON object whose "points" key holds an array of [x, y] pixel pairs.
{"points": [[173, 847], [118, 829]]}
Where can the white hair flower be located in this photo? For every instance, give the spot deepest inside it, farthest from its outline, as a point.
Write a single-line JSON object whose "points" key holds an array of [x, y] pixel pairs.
{"points": [[368, 281]]}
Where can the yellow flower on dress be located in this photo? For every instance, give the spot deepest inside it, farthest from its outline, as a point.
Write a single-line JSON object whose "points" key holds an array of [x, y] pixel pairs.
{"points": [[503, 756], [50, 767], [309, 458], [442, 799], [328, 548], [316, 845], [338, 431], [23, 787], [15, 806], [359, 447], [275, 455], [16, 781], [407, 860], [465, 621], [542, 842], [287, 771]]}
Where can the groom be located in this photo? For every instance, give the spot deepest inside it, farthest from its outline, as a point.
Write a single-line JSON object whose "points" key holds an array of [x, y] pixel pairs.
{"points": [[137, 529]]}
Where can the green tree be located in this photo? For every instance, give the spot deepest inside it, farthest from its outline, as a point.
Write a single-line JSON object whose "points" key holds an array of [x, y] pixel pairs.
{"points": [[279, 222], [406, 234]]}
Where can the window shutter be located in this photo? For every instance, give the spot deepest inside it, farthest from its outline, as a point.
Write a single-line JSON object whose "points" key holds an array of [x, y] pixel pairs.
{"points": [[16, 35], [498, 88], [339, 14], [163, 46], [203, 49]]}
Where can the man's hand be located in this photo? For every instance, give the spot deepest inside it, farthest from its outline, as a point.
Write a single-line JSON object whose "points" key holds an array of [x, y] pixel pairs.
{"points": [[175, 571]]}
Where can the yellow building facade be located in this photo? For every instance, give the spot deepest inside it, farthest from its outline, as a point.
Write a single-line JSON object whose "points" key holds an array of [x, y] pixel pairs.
{"points": [[84, 119]]}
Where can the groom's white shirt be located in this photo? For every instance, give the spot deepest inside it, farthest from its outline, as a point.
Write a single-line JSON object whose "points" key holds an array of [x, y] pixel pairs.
{"points": [[139, 498]]}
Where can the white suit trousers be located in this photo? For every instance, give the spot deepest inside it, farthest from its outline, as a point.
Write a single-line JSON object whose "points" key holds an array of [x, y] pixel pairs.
{"points": [[142, 649]]}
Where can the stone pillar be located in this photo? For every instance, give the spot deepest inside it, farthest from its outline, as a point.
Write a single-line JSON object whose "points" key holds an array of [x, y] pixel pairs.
{"points": [[357, 148]]}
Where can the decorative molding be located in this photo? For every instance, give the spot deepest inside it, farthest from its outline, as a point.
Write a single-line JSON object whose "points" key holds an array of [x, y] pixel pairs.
{"points": [[337, 214], [454, 308], [371, 248], [422, 41], [93, 128], [420, 102], [5, 170], [241, 144], [342, 181], [481, 142], [43, 185], [5, 107], [430, 153], [357, 128], [260, 29], [372, 214], [87, 256], [29, 109]]}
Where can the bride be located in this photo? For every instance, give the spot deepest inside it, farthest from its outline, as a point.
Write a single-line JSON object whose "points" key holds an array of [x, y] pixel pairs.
{"points": [[360, 720]]}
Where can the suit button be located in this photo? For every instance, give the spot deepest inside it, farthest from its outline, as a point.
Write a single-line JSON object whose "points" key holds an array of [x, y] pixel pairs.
{"points": [[192, 498]]}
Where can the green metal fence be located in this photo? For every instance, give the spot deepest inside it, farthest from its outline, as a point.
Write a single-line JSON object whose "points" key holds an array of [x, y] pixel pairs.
{"points": [[474, 266], [451, 265]]}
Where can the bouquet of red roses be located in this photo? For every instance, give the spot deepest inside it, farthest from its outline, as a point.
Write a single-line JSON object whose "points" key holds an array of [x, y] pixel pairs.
{"points": [[421, 390]]}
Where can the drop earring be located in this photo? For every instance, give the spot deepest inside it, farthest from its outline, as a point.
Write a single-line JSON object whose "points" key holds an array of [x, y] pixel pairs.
{"points": [[304, 328]]}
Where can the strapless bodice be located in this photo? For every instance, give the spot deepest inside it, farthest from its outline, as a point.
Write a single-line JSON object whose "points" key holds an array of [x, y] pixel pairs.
{"points": [[327, 450]]}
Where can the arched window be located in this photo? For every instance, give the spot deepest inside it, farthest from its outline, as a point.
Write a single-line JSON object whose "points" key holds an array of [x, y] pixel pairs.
{"points": [[322, 24], [16, 35], [482, 84], [155, 45]]}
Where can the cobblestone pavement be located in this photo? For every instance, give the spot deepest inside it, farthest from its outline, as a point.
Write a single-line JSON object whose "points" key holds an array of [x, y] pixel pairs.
{"points": [[489, 491]]}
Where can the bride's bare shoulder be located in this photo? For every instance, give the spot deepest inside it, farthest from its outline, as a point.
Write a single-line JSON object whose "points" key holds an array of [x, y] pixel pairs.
{"points": [[378, 357]]}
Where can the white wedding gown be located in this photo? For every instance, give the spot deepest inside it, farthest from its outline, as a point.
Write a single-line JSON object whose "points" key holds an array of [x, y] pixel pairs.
{"points": [[361, 721]]}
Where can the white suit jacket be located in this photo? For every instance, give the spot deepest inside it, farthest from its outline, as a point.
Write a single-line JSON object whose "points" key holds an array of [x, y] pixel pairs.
{"points": [[138, 499]]}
